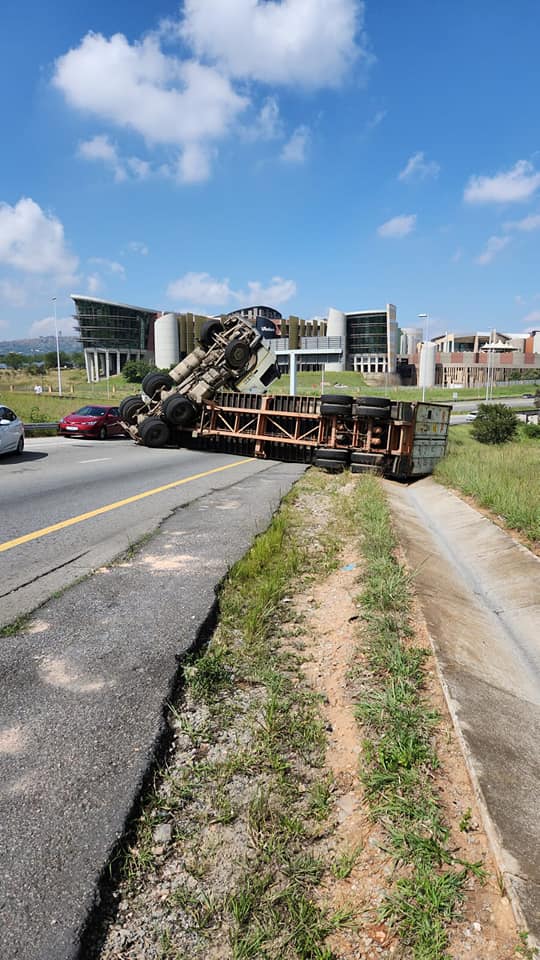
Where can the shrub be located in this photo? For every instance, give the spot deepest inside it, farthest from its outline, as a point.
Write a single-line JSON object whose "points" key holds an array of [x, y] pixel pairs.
{"points": [[532, 430], [495, 423], [135, 370]]}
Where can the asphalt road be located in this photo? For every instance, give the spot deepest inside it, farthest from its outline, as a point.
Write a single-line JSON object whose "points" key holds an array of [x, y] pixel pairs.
{"points": [[57, 480], [84, 683]]}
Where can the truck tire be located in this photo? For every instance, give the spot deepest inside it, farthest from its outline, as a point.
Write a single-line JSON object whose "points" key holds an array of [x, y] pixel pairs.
{"points": [[329, 453], [129, 408], [336, 409], [334, 466], [179, 410], [377, 413], [154, 383], [375, 459], [337, 398], [209, 330], [154, 432], [237, 354], [374, 402], [366, 468]]}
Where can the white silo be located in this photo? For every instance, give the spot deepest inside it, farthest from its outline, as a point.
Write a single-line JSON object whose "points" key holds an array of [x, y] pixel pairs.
{"points": [[337, 327], [426, 374], [166, 345]]}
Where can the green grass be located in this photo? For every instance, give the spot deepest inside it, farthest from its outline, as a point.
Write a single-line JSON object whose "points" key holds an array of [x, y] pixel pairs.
{"points": [[399, 757], [505, 479]]}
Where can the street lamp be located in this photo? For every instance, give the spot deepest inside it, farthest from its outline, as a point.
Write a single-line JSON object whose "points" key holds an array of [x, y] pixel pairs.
{"points": [[57, 350], [425, 324]]}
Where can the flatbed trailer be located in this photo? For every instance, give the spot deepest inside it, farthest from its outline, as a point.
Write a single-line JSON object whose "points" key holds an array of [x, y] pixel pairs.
{"points": [[369, 434]]}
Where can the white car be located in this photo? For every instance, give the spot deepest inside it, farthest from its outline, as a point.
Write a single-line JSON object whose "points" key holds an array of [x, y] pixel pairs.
{"points": [[471, 416], [11, 432]]}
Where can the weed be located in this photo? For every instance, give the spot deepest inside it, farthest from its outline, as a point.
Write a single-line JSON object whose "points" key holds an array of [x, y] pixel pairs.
{"points": [[343, 865], [466, 822]]}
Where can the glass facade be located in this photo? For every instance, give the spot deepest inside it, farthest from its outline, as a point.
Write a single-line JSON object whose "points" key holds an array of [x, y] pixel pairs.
{"points": [[367, 333], [114, 326]]}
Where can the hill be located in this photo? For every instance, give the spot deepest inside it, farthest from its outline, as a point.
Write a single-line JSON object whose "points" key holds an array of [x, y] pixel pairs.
{"points": [[34, 345]]}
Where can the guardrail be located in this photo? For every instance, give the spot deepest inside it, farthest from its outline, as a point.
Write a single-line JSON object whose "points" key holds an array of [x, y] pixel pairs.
{"points": [[30, 427]]}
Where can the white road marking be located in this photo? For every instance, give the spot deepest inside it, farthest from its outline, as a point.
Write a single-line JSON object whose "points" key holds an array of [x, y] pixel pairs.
{"points": [[96, 460]]}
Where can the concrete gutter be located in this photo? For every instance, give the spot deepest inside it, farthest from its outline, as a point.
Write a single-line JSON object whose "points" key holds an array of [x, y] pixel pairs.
{"points": [[480, 594]]}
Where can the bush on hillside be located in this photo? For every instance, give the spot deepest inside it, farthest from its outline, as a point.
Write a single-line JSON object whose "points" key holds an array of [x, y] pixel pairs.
{"points": [[532, 430], [494, 423], [136, 370]]}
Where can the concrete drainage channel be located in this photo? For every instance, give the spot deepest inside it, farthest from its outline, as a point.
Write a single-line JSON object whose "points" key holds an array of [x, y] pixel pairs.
{"points": [[480, 594]]}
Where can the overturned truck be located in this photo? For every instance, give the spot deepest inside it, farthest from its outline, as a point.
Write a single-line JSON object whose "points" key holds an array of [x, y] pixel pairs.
{"points": [[215, 399]]}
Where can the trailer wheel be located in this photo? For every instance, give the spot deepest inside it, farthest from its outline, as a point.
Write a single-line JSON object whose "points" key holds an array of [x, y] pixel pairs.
{"points": [[366, 468], [129, 408], [337, 409], [333, 466], [208, 333], [338, 398], [154, 432], [155, 382], [179, 410], [237, 354], [375, 459], [377, 413], [329, 453], [374, 402]]}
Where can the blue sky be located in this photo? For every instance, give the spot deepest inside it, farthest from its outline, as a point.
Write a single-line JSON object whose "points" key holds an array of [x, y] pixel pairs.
{"points": [[303, 154]]}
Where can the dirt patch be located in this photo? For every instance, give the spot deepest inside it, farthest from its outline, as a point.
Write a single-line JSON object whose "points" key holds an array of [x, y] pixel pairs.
{"points": [[487, 930]]}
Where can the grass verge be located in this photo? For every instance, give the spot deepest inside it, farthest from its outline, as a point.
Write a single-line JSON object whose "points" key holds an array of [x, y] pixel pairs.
{"points": [[504, 479], [399, 754]]}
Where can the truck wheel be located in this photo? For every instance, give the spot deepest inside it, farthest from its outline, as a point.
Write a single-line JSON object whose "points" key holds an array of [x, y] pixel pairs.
{"points": [[129, 408], [155, 382], [339, 409], [378, 413], [334, 466], [209, 330], [337, 398], [237, 354], [375, 459], [374, 402], [154, 432], [366, 468], [179, 410], [329, 453]]}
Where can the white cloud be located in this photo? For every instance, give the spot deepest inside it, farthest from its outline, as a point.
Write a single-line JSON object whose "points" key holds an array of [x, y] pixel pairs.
{"points": [[135, 246], [267, 125], [532, 222], [294, 151], [194, 163], [493, 247], [398, 226], [519, 299], [532, 320], [201, 288], [93, 283], [102, 149], [376, 120], [164, 99], [514, 185], [12, 293], [457, 255], [45, 327], [33, 241], [112, 266], [417, 168], [311, 43]]}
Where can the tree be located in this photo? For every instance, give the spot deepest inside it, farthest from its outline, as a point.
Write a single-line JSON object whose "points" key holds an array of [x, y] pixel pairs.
{"points": [[494, 423]]}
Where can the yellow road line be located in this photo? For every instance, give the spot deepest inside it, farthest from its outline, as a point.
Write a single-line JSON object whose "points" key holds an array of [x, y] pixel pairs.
{"points": [[9, 544]]}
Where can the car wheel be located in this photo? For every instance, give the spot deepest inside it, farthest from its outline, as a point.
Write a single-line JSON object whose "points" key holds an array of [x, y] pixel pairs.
{"points": [[20, 445], [209, 330], [180, 411], [154, 432], [154, 383], [102, 435], [237, 354], [338, 398]]}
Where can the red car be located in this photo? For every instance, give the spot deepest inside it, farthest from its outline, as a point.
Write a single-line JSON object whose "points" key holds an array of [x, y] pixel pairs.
{"points": [[91, 421]]}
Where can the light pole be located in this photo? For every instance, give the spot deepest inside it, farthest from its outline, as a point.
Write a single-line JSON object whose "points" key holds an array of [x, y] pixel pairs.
{"points": [[57, 350], [424, 317]]}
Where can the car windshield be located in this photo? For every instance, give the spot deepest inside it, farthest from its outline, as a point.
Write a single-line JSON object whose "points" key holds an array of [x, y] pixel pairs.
{"points": [[90, 412]]}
